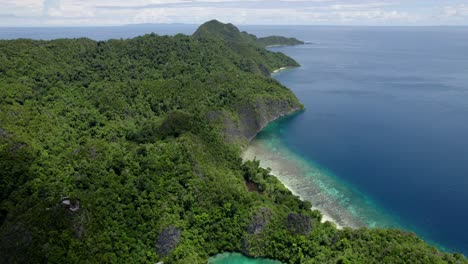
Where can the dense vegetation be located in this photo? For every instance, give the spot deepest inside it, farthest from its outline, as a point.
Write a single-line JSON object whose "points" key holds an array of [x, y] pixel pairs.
{"points": [[228, 32], [117, 152], [254, 57], [278, 41]]}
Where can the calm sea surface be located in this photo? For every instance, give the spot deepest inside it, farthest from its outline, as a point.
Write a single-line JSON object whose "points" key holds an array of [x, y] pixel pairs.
{"points": [[386, 125], [385, 133]]}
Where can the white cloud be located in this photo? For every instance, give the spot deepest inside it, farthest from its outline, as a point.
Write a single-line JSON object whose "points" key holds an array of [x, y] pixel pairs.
{"points": [[69, 9], [460, 11], [374, 15], [21, 8], [267, 16], [117, 12], [361, 6]]}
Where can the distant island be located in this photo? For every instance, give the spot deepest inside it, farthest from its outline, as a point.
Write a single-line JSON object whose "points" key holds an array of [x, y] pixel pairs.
{"points": [[273, 41], [128, 151]]}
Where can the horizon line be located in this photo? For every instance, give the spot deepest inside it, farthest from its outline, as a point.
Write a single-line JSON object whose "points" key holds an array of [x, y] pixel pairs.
{"points": [[195, 24]]}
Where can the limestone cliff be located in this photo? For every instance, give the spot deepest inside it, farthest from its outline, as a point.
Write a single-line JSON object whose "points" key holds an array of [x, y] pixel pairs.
{"points": [[250, 119]]}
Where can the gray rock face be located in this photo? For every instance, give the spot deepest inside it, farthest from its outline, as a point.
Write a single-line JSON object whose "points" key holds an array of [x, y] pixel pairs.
{"points": [[253, 242], [167, 241], [299, 224], [253, 118], [73, 206], [259, 221]]}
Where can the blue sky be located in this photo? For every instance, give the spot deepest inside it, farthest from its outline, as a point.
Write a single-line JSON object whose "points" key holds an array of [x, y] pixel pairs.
{"points": [[296, 12]]}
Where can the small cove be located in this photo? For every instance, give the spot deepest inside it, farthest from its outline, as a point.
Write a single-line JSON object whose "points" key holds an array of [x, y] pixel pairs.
{"points": [[237, 258], [338, 201]]}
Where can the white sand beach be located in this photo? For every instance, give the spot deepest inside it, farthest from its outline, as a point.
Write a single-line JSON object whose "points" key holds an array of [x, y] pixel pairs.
{"points": [[281, 172]]}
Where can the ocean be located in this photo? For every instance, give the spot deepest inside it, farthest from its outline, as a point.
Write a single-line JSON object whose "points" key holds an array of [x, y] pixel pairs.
{"points": [[383, 141]]}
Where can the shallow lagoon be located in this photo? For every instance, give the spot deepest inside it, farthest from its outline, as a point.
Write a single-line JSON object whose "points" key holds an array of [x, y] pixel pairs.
{"points": [[236, 258]]}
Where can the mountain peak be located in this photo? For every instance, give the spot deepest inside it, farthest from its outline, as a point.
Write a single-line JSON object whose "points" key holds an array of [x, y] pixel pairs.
{"points": [[215, 29]]}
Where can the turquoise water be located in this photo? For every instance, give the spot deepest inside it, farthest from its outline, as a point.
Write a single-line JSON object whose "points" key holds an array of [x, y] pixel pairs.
{"points": [[383, 141], [236, 258], [338, 200]]}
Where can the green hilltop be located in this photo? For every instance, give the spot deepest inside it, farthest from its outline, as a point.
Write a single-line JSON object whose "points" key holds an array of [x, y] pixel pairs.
{"points": [[128, 151], [252, 50], [228, 32]]}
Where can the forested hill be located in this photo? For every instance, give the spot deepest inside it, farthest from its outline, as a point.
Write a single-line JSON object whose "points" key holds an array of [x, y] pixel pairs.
{"points": [[128, 151], [278, 41], [228, 32]]}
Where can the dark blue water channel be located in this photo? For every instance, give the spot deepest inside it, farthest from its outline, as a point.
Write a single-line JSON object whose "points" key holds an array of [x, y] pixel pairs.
{"points": [[387, 115]]}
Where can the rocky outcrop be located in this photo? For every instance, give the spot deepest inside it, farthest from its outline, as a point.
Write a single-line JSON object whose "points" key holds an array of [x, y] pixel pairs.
{"points": [[167, 241], [252, 118], [72, 206], [254, 240], [299, 224], [259, 221]]}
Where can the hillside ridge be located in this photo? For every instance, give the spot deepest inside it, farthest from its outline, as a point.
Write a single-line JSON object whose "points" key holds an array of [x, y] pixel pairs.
{"points": [[128, 151], [228, 32]]}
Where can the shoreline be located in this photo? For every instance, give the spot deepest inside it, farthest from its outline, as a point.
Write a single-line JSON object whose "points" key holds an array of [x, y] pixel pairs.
{"points": [[249, 154], [279, 45], [325, 217], [280, 69], [293, 111], [285, 45]]}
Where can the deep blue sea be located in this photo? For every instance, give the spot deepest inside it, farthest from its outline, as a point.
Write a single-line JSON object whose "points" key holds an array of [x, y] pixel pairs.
{"points": [[386, 125], [384, 138]]}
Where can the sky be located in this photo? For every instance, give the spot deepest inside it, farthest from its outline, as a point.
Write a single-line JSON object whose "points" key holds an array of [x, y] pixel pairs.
{"points": [[253, 12]]}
